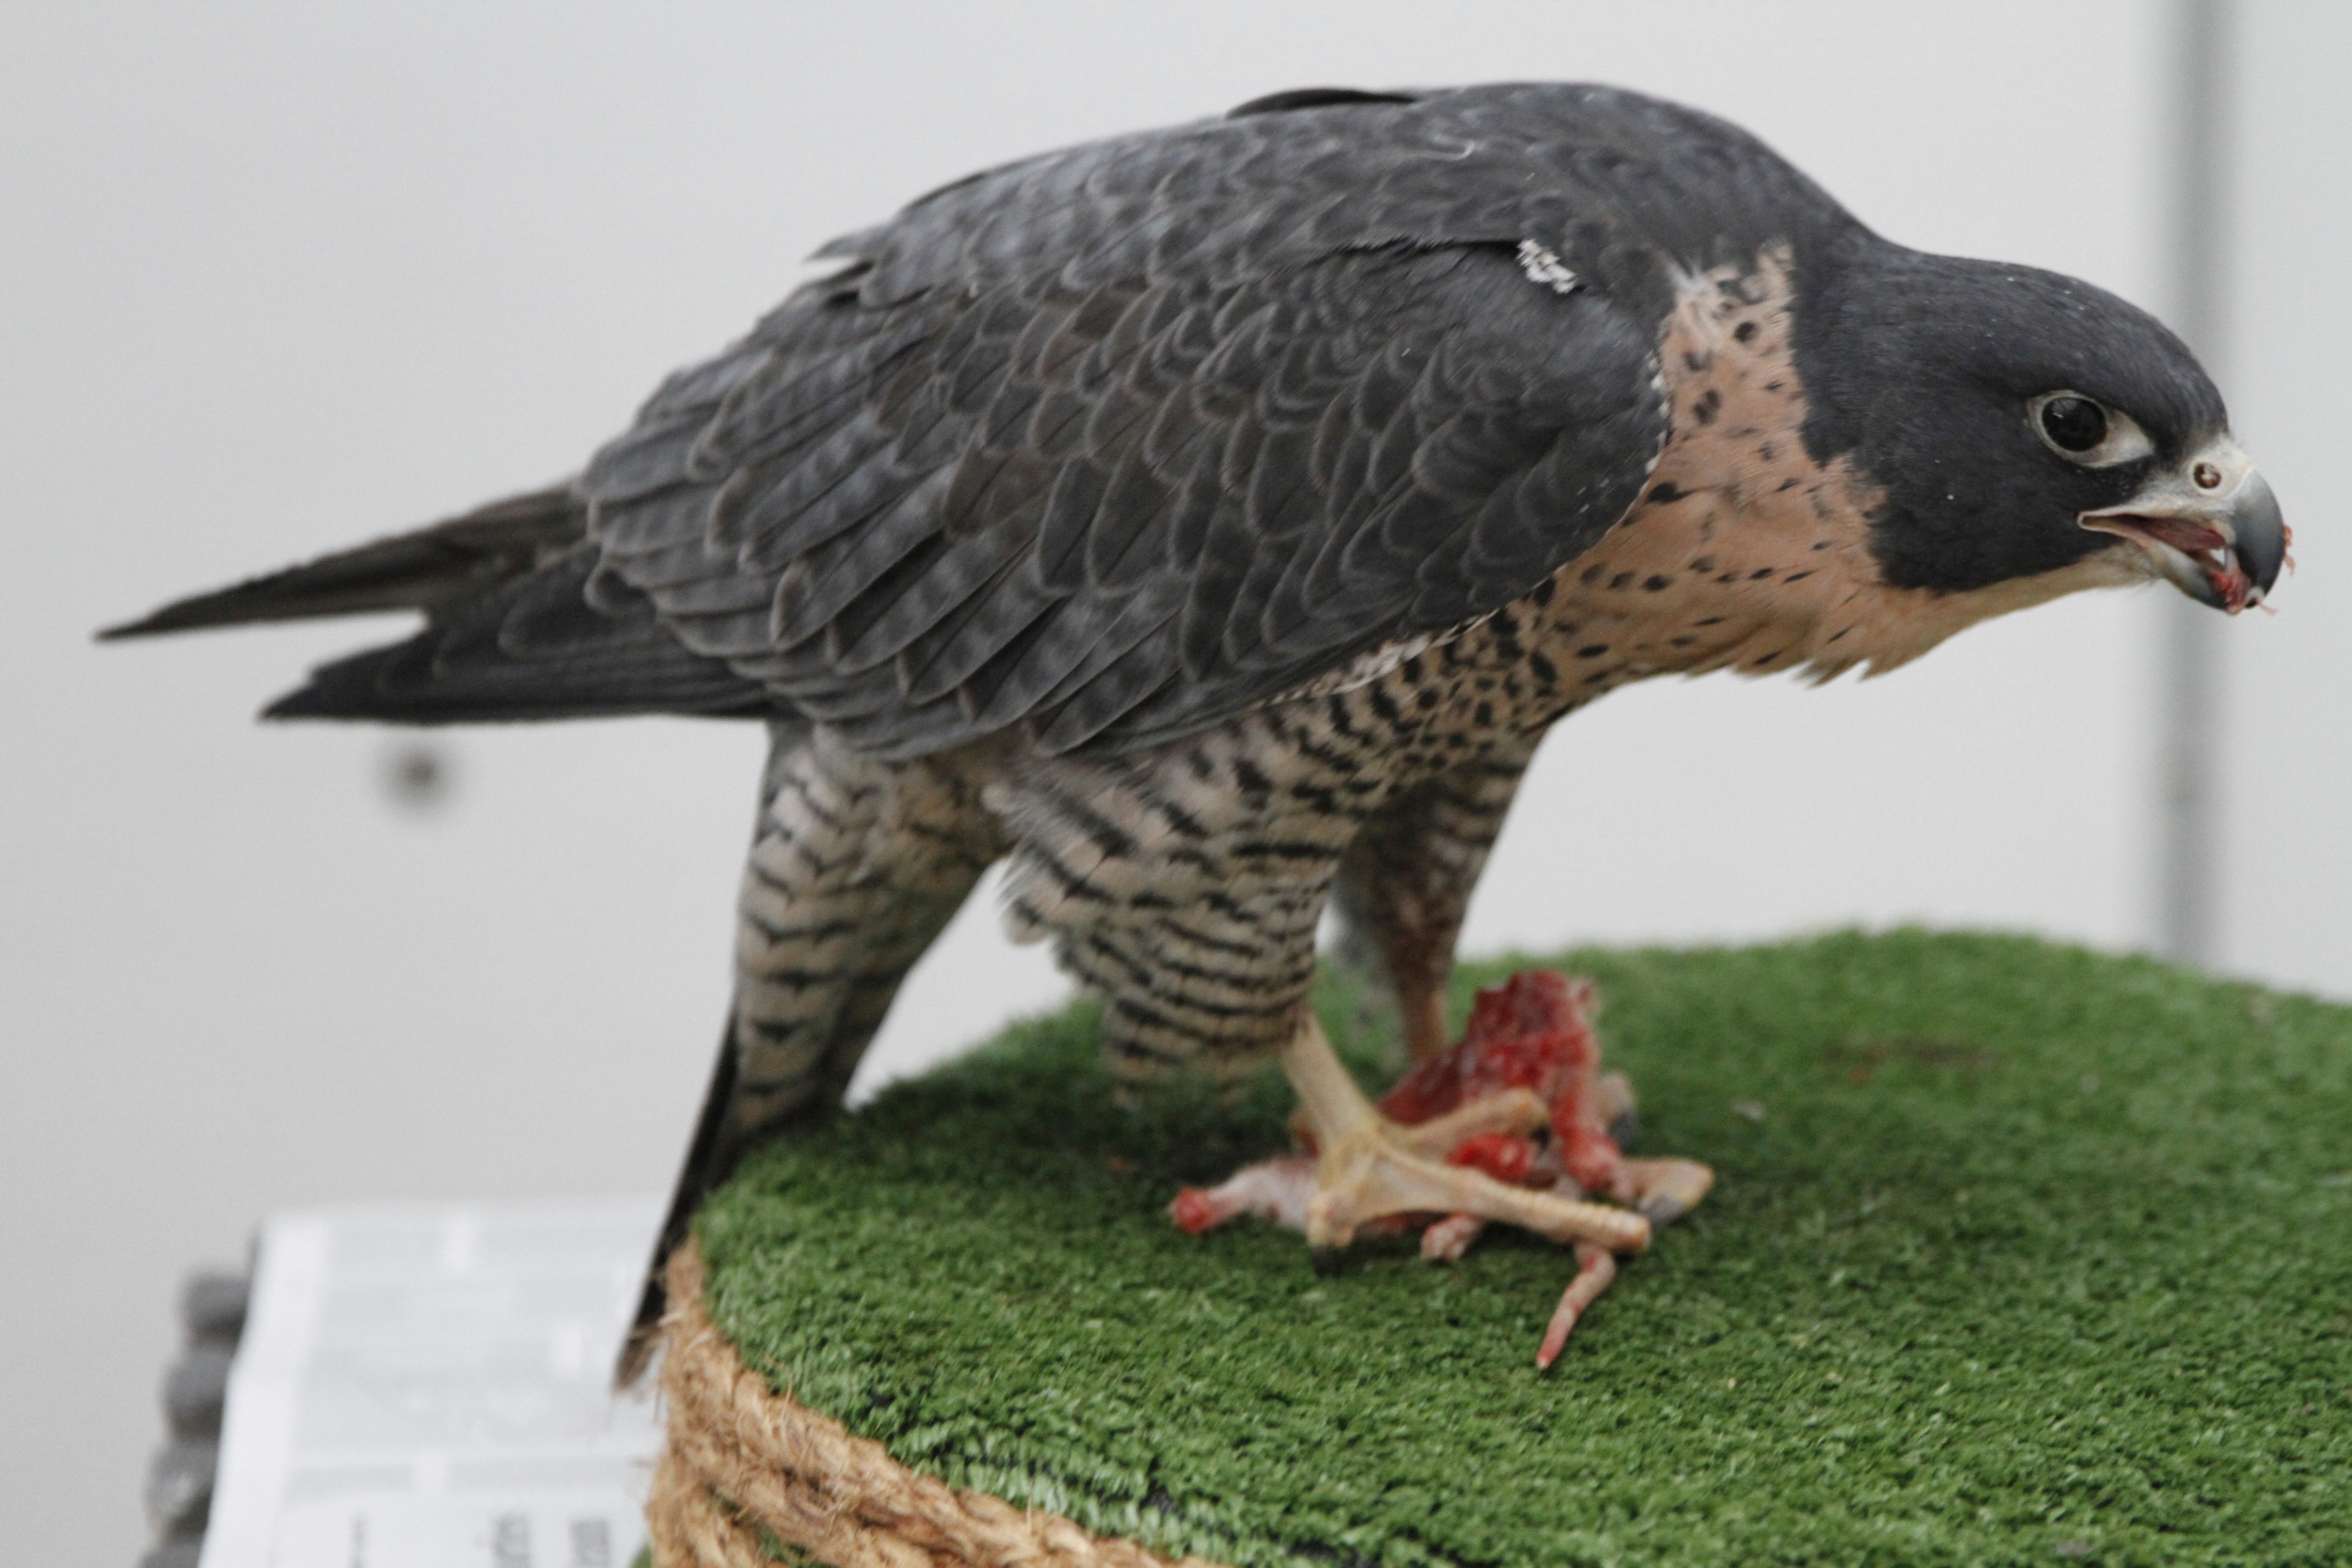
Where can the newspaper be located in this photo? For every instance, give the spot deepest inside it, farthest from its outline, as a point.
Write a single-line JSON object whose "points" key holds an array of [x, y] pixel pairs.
{"points": [[430, 1387]]}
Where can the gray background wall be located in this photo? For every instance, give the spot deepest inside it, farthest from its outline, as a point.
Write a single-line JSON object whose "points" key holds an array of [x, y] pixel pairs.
{"points": [[275, 277]]}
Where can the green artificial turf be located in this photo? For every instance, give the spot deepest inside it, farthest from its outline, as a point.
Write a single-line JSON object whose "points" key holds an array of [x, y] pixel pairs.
{"points": [[2017, 1254]]}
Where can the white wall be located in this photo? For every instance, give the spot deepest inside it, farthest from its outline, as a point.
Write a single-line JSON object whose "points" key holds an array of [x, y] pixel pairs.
{"points": [[2286, 909], [277, 277]]}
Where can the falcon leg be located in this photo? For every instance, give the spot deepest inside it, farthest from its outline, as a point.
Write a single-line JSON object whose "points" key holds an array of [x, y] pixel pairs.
{"points": [[856, 864], [1405, 881], [855, 867], [1368, 1167]]}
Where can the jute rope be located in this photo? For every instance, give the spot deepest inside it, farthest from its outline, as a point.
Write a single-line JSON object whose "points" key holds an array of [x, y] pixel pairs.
{"points": [[743, 1460]]}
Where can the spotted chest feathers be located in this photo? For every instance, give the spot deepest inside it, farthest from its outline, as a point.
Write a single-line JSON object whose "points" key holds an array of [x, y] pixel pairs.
{"points": [[1185, 882], [1744, 552]]}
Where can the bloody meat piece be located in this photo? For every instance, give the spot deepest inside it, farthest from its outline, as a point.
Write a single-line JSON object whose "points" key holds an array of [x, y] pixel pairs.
{"points": [[1535, 1032]]}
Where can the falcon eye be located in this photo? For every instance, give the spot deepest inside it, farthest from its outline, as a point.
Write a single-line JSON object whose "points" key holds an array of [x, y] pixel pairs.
{"points": [[2083, 430], [2074, 424]]}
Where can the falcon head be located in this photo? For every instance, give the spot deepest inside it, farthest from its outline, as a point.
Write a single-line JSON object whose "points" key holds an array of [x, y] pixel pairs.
{"points": [[2021, 422]]}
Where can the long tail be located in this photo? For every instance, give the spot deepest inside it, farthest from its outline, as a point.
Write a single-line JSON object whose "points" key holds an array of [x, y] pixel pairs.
{"points": [[433, 569], [518, 625]]}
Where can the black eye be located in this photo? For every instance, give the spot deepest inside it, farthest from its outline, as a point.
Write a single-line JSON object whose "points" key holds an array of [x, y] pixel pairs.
{"points": [[2074, 424]]}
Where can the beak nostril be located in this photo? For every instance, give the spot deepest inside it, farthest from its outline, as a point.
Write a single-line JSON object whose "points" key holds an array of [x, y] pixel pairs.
{"points": [[2210, 526]]}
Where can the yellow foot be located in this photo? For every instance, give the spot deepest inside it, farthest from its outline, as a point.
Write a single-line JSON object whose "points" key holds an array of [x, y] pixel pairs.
{"points": [[1368, 1167]]}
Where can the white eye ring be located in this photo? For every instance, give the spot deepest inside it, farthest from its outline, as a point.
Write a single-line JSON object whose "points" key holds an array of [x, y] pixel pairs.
{"points": [[2125, 441]]}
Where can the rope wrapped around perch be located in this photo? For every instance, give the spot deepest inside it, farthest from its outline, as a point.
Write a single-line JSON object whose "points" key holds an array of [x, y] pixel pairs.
{"points": [[746, 1468]]}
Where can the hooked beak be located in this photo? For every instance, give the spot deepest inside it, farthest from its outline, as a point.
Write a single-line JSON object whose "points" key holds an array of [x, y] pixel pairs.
{"points": [[2210, 526]]}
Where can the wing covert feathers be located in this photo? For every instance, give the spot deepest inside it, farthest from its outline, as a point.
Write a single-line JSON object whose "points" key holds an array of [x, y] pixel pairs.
{"points": [[1114, 445]]}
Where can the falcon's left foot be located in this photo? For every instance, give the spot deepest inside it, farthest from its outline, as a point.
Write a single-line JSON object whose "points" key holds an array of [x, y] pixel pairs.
{"points": [[1368, 1167], [1455, 1151]]}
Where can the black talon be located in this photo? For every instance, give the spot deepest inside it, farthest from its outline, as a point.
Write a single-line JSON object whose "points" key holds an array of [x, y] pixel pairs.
{"points": [[1326, 1259]]}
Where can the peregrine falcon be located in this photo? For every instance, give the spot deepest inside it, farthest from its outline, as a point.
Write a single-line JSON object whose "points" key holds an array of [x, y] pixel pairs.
{"points": [[1210, 522]]}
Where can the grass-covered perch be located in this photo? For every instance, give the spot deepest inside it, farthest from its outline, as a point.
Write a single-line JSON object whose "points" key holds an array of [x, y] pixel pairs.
{"points": [[2018, 1253]]}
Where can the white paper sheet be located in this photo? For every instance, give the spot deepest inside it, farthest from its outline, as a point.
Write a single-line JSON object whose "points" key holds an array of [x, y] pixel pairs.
{"points": [[429, 1387]]}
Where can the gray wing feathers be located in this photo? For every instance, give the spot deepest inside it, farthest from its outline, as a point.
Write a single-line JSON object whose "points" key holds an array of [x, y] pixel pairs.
{"points": [[1122, 441]]}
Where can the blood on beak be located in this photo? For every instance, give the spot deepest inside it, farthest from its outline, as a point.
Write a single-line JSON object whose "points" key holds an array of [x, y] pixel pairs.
{"points": [[2210, 526]]}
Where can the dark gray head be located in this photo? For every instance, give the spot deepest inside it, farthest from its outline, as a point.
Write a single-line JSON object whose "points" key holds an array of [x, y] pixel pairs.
{"points": [[2019, 422]]}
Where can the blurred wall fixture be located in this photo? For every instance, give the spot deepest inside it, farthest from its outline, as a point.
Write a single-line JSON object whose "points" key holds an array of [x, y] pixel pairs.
{"points": [[2188, 808], [417, 776]]}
